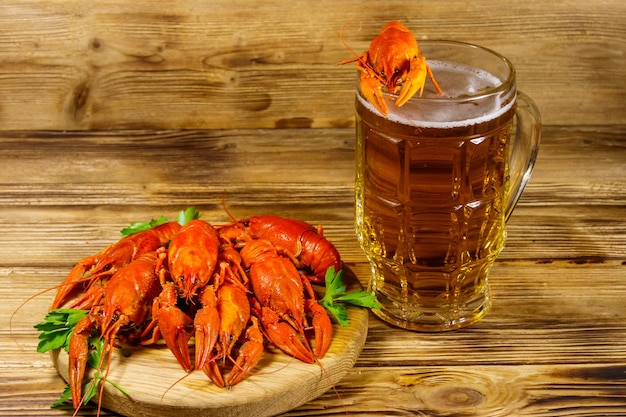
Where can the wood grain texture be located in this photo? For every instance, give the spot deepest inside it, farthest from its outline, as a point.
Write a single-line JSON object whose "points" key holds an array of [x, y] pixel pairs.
{"points": [[72, 65], [553, 345], [113, 112]]}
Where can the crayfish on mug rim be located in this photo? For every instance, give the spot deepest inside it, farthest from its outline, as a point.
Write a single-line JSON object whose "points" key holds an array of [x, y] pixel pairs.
{"points": [[394, 62]]}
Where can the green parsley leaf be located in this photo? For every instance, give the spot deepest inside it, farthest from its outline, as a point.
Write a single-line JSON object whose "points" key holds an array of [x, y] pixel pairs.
{"points": [[359, 298], [66, 397], [95, 355], [336, 296], [188, 215], [57, 328], [339, 312], [184, 217], [137, 227], [334, 283]]}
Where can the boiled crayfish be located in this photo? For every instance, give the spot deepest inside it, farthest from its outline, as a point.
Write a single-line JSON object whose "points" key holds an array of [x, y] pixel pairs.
{"points": [[231, 288], [105, 263], [394, 62]]}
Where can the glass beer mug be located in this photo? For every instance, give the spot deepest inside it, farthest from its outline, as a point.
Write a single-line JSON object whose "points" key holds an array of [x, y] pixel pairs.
{"points": [[436, 181]]}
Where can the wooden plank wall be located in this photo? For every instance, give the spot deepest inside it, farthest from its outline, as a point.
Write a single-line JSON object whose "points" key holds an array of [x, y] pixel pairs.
{"points": [[221, 64]]}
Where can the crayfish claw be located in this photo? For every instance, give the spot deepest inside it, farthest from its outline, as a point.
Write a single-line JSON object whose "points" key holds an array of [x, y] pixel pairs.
{"points": [[249, 354], [207, 326], [78, 353], [413, 81], [371, 89], [284, 337], [212, 370], [76, 276], [322, 326], [234, 313], [172, 324]]}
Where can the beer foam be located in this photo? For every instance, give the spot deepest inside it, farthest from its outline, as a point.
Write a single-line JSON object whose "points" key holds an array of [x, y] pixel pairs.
{"points": [[458, 82]]}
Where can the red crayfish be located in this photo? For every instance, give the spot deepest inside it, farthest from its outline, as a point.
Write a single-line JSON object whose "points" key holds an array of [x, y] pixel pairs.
{"points": [[232, 288], [105, 263], [395, 62]]}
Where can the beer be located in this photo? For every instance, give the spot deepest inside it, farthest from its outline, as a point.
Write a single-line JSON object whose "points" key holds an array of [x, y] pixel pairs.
{"points": [[431, 190]]}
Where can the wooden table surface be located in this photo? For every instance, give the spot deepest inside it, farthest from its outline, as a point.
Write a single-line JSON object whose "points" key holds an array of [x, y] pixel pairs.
{"points": [[114, 112], [554, 343]]}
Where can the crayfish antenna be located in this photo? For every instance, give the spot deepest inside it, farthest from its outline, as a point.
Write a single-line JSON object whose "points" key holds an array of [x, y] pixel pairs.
{"points": [[109, 356], [357, 57], [330, 380], [22, 304], [228, 213], [174, 384]]}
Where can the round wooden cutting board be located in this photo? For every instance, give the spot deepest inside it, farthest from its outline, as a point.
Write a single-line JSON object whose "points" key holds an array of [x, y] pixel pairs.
{"points": [[152, 378]]}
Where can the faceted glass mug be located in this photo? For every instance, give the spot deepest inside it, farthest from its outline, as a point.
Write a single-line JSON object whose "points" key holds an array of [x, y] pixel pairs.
{"points": [[436, 181]]}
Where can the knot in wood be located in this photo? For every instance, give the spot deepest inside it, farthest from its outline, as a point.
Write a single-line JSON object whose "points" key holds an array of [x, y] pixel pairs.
{"points": [[455, 398]]}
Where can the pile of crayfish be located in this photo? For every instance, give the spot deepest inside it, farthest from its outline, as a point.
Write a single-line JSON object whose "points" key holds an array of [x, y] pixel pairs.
{"points": [[232, 288]]}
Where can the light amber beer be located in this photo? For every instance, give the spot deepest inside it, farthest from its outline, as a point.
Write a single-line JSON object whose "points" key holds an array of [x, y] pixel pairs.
{"points": [[432, 184]]}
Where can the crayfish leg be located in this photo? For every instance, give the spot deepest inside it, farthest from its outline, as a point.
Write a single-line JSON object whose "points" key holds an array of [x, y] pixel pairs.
{"points": [[434, 81]]}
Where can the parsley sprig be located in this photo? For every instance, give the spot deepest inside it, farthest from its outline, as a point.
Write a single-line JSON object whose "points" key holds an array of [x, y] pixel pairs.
{"points": [[336, 296], [57, 328], [137, 227], [184, 217], [55, 333]]}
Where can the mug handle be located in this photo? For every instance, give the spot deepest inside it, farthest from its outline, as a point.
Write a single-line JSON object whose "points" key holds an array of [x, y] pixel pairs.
{"points": [[523, 150]]}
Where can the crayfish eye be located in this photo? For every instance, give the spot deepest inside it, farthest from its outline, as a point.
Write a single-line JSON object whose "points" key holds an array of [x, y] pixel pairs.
{"points": [[397, 75]]}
